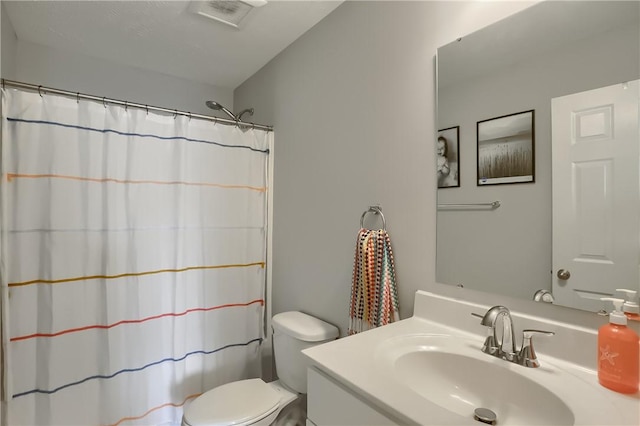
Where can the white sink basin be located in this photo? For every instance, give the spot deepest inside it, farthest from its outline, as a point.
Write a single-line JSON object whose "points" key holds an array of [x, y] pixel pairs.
{"points": [[453, 373], [429, 370]]}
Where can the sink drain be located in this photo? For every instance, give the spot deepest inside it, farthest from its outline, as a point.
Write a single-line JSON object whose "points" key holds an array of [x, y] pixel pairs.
{"points": [[484, 415]]}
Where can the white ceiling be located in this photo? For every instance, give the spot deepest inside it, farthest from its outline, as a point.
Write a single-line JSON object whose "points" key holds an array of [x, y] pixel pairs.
{"points": [[164, 36]]}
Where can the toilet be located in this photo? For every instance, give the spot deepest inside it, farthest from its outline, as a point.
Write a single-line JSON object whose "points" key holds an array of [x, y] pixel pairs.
{"points": [[253, 401]]}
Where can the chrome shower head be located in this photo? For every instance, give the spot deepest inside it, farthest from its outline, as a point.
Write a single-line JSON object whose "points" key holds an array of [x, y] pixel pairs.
{"points": [[213, 105], [217, 107]]}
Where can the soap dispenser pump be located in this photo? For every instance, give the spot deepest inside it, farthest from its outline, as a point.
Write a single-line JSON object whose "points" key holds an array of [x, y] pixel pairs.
{"points": [[618, 352], [630, 306]]}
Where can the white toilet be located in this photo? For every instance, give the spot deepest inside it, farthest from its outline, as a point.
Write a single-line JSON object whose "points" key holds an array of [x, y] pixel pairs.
{"points": [[252, 401]]}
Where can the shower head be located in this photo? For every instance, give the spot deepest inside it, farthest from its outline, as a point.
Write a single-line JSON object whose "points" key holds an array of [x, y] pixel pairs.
{"points": [[217, 107]]}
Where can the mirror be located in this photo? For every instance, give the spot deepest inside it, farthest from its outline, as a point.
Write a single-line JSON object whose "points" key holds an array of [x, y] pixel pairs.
{"points": [[488, 82]]}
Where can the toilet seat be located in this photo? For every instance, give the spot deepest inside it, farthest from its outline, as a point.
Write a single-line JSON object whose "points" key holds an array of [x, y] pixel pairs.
{"points": [[237, 403]]}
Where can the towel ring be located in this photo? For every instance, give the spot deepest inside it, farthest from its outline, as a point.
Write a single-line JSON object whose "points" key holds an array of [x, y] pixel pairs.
{"points": [[374, 210]]}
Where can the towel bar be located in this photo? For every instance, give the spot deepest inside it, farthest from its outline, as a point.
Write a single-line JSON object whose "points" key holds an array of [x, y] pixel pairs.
{"points": [[492, 205], [374, 210]]}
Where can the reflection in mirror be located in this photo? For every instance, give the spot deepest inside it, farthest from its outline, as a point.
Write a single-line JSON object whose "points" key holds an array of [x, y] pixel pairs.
{"points": [[576, 65]]}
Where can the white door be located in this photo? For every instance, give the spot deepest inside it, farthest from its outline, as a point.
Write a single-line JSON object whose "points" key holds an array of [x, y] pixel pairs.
{"points": [[596, 213]]}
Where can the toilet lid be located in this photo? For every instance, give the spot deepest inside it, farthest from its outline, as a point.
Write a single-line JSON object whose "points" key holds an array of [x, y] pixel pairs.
{"points": [[235, 403]]}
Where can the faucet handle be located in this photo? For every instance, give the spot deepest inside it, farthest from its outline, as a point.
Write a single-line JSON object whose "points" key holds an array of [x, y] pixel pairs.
{"points": [[527, 355]]}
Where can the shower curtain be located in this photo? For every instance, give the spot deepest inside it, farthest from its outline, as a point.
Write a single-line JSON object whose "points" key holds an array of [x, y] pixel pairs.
{"points": [[132, 260]]}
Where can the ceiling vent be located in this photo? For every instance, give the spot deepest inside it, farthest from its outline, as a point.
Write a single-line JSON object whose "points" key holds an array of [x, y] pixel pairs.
{"points": [[230, 12]]}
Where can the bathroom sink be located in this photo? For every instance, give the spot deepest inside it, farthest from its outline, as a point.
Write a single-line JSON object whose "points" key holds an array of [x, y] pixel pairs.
{"points": [[430, 370], [454, 374]]}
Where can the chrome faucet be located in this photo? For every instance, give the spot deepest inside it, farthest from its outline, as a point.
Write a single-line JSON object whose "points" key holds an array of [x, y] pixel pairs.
{"points": [[503, 345]]}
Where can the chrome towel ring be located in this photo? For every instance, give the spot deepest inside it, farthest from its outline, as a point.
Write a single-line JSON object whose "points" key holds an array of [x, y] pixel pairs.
{"points": [[375, 210]]}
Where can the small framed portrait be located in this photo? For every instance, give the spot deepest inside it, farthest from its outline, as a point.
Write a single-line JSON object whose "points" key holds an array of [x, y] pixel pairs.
{"points": [[506, 149], [448, 157]]}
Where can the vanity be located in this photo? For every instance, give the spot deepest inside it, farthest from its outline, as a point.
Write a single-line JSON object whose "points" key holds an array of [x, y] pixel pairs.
{"points": [[430, 370]]}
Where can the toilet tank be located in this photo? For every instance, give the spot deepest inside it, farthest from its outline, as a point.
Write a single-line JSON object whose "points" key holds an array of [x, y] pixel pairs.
{"points": [[292, 333]]}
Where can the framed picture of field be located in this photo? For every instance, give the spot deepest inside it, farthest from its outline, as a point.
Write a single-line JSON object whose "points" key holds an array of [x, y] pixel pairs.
{"points": [[448, 157], [506, 149]]}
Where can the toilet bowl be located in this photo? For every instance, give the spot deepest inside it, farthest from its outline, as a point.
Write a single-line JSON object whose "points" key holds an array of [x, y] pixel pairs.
{"points": [[253, 401]]}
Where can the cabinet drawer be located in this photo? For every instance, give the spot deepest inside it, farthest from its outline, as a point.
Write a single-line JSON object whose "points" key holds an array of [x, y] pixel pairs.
{"points": [[330, 403]]}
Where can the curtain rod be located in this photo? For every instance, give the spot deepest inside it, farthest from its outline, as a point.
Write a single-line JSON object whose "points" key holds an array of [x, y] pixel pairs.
{"points": [[77, 95]]}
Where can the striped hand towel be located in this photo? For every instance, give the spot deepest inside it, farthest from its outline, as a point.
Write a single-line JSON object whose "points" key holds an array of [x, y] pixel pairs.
{"points": [[374, 292]]}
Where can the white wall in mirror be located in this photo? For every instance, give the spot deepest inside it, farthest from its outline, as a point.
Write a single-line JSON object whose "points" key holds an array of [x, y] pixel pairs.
{"points": [[508, 250]]}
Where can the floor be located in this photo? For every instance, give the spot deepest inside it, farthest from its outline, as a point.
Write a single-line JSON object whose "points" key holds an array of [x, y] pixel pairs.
{"points": [[294, 414]]}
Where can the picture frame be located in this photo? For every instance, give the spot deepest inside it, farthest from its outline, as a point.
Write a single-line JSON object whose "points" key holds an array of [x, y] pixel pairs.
{"points": [[448, 157], [506, 149]]}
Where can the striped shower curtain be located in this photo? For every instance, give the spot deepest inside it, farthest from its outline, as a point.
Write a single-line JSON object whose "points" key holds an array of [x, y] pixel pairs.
{"points": [[132, 260]]}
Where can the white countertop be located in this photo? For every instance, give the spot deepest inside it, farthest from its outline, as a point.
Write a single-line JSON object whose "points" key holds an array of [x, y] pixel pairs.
{"points": [[353, 362]]}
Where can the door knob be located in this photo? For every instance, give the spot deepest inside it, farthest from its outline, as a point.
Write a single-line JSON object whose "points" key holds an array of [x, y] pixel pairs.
{"points": [[563, 274]]}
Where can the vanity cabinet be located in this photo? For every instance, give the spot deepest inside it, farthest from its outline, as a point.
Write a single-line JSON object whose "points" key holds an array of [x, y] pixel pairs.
{"points": [[331, 403]]}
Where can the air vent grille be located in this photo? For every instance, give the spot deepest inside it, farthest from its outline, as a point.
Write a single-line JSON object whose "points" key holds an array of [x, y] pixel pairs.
{"points": [[230, 12]]}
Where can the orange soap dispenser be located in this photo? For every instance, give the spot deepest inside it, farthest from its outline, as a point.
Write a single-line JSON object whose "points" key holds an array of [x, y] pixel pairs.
{"points": [[630, 307], [618, 352]]}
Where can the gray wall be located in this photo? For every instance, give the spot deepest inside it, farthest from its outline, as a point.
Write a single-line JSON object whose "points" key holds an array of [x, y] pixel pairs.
{"points": [[8, 46], [353, 105], [508, 250], [41, 65]]}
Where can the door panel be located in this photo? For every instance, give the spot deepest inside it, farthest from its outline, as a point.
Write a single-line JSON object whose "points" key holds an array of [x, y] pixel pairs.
{"points": [[596, 230]]}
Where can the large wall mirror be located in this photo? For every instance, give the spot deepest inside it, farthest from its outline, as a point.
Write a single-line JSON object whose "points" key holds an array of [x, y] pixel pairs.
{"points": [[539, 193]]}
